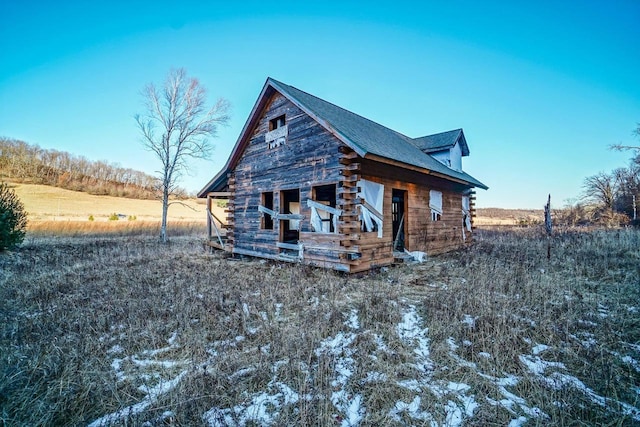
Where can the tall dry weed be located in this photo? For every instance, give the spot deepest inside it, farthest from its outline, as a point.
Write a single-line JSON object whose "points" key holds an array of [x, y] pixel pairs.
{"points": [[89, 325]]}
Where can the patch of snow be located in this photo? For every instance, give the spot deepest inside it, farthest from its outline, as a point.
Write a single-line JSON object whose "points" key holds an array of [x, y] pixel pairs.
{"points": [[353, 322], [417, 256], [172, 339], [457, 387], [518, 422], [278, 312], [470, 321], [469, 404], [410, 330], [557, 381], [162, 363], [526, 320], [413, 411], [278, 364], [116, 365], [636, 347], [374, 377], [587, 323], [603, 310], [116, 349], [510, 400], [537, 366], [484, 355], [339, 348], [172, 346], [241, 373], [413, 385], [262, 409], [452, 344], [454, 415], [146, 402], [539, 349], [588, 342], [380, 344]]}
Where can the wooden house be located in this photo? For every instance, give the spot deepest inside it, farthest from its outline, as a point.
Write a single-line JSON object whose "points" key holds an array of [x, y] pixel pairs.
{"points": [[310, 182]]}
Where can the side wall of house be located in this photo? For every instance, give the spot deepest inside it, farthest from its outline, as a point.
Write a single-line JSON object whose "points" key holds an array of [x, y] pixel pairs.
{"points": [[422, 233], [308, 158]]}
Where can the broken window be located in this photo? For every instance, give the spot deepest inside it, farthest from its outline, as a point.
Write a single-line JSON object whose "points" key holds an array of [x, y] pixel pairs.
{"points": [[435, 203], [372, 196], [267, 220], [289, 215], [324, 215], [276, 123], [278, 132]]}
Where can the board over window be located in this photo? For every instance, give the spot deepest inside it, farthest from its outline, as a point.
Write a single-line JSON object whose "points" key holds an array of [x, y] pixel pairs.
{"points": [[324, 215], [371, 195], [278, 132], [466, 217], [435, 204]]}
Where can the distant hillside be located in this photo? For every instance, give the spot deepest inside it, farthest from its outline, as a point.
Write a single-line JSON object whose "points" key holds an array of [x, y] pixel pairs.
{"points": [[46, 203], [28, 163], [499, 216]]}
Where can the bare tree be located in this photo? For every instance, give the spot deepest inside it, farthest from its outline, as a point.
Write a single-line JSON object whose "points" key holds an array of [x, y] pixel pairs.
{"points": [[602, 189], [178, 110]]}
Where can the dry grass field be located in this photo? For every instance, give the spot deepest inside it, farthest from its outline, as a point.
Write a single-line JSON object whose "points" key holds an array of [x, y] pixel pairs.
{"points": [[123, 331], [507, 217], [46, 203], [55, 211]]}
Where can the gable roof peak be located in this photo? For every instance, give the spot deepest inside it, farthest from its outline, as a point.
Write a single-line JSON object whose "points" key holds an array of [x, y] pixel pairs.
{"points": [[442, 141], [363, 135]]}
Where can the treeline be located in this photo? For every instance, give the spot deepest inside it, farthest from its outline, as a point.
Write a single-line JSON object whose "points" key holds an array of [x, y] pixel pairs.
{"points": [[29, 163], [610, 198]]}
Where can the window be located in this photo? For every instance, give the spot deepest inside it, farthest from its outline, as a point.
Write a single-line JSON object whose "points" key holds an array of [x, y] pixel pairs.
{"points": [[267, 202], [278, 131], [435, 203], [372, 196], [324, 215], [289, 215], [276, 123]]}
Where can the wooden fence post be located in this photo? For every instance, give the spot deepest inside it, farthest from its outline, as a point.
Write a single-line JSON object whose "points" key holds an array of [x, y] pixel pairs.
{"points": [[547, 225]]}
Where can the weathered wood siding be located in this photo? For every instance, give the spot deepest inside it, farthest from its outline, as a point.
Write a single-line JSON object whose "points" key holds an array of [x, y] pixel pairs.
{"points": [[312, 157], [309, 158], [421, 232]]}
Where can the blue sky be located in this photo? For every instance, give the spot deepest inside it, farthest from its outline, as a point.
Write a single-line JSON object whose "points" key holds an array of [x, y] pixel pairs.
{"points": [[540, 88]]}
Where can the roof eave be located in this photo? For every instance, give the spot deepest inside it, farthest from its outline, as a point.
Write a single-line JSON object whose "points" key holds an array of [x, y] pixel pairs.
{"points": [[382, 159]]}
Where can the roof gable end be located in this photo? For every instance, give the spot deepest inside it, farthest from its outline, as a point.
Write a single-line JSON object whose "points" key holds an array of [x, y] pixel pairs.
{"points": [[443, 141], [364, 136]]}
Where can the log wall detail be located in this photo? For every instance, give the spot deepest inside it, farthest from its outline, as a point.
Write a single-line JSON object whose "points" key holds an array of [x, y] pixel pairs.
{"points": [[311, 156]]}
